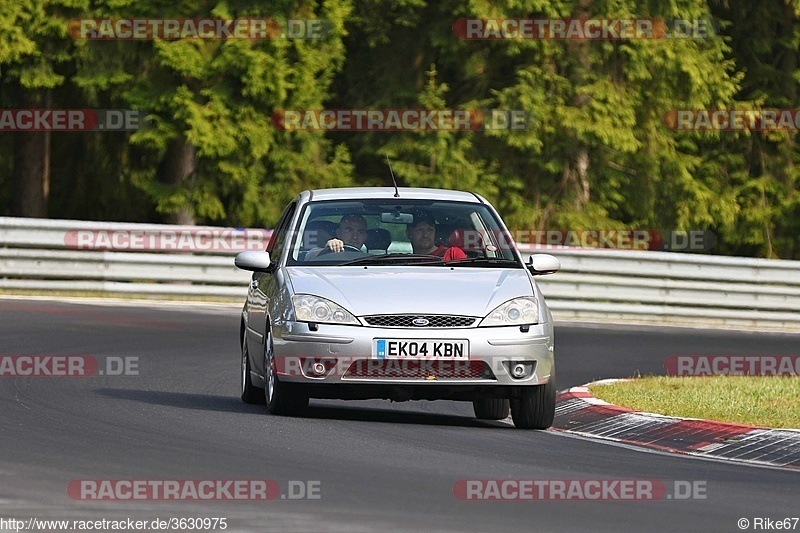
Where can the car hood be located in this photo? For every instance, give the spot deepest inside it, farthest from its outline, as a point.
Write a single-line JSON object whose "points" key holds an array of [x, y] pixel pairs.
{"points": [[419, 289]]}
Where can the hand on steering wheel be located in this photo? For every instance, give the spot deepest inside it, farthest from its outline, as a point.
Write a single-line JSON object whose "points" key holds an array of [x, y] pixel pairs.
{"points": [[336, 245]]}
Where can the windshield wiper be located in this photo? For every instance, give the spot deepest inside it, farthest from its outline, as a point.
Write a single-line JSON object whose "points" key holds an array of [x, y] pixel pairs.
{"points": [[481, 261], [391, 258]]}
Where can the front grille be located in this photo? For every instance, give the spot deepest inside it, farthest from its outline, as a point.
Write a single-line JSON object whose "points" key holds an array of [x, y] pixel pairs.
{"points": [[422, 369], [407, 321]]}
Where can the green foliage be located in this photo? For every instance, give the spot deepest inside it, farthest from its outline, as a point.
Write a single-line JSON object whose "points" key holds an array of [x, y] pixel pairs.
{"points": [[219, 97], [34, 41], [596, 151], [441, 158]]}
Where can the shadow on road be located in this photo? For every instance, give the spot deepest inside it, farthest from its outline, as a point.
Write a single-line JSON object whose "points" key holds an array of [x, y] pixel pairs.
{"points": [[232, 404]]}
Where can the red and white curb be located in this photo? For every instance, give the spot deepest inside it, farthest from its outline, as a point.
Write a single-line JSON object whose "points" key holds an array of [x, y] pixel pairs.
{"points": [[581, 413]]}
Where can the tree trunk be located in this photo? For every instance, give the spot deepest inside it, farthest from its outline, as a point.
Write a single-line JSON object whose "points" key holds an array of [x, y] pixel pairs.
{"points": [[178, 164], [576, 176], [30, 177], [576, 167], [789, 67], [583, 192]]}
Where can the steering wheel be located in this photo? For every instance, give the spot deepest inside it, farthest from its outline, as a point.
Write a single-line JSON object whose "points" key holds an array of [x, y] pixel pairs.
{"points": [[347, 248]]}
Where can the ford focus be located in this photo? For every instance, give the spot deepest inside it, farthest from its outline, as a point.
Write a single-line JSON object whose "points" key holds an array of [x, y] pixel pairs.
{"points": [[400, 294]]}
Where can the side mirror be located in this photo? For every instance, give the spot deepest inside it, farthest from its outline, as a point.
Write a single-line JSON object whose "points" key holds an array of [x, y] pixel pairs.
{"points": [[254, 261], [542, 264]]}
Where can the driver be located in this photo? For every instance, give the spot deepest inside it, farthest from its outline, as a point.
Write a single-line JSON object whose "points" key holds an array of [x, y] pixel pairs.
{"points": [[352, 231]]}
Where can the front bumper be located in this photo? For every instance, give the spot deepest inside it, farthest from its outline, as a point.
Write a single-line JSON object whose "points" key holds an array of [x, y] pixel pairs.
{"points": [[346, 356]]}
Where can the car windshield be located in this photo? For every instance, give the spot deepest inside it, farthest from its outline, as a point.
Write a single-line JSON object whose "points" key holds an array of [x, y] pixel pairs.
{"points": [[396, 231]]}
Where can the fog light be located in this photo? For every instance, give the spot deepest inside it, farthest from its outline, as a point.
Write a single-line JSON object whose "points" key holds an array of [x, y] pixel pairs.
{"points": [[318, 368], [519, 370]]}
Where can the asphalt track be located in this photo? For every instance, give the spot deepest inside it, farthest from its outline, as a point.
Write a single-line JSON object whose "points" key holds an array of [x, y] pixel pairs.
{"points": [[381, 466]]}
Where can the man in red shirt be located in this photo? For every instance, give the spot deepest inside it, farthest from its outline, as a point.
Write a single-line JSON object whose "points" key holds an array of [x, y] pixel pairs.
{"points": [[422, 234]]}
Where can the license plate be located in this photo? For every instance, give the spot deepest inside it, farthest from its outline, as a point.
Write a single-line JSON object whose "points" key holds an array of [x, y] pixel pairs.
{"points": [[399, 348]]}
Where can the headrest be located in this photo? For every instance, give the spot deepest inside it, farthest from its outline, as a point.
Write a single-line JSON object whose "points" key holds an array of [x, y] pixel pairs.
{"points": [[466, 239], [378, 239], [317, 233]]}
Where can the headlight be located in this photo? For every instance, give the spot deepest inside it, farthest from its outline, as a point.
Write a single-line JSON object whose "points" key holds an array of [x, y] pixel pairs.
{"points": [[315, 309], [514, 312]]}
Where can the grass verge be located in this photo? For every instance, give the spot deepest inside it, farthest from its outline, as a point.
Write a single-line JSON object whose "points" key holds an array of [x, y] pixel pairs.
{"points": [[768, 401]]}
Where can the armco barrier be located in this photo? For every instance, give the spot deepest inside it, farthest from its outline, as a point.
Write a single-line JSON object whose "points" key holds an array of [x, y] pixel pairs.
{"points": [[672, 287], [46, 256], [41, 256]]}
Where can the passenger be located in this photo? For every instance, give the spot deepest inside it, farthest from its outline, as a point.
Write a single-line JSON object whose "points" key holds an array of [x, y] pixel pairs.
{"points": [[422, 234]]}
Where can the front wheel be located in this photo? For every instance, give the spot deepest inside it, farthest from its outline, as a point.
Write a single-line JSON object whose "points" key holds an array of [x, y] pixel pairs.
{"points": [[282, 398], [490, 408], [536, 406]]}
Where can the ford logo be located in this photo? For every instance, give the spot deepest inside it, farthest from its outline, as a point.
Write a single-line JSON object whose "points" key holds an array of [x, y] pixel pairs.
{"points": [[419, 322]]}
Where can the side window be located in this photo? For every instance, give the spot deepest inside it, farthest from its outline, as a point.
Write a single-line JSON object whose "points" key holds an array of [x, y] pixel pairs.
{"points": [[282, 230]]}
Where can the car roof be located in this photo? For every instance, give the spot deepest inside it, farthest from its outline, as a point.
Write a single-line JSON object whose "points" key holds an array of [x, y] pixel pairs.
{"points": [[407, 193]]}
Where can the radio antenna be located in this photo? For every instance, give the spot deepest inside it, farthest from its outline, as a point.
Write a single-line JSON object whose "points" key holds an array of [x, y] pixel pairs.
{"points": [[396, 190]]}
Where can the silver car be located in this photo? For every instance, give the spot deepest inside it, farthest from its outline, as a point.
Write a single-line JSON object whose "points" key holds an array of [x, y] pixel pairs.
{"points": [[400, 294]]}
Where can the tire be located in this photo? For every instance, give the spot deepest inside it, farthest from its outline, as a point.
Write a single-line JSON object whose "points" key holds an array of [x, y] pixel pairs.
{"points": [[281, 398], [250, 394], [491, 408], [536, 407]]}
